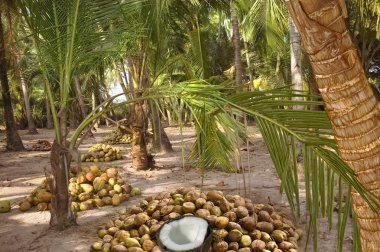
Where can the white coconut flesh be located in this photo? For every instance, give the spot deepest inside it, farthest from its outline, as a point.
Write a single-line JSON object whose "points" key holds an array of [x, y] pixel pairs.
{"points": [[184, 234]]}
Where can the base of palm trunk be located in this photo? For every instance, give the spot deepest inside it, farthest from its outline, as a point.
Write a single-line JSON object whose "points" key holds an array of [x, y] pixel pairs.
{"points": [[185, 233]]}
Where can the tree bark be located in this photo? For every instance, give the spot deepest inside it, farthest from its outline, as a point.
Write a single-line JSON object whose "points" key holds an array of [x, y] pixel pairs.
{"points": [[237, 51], [295, 61], [31, 125], [250, 87], [14, 142], [348, 97], [139, 151]]}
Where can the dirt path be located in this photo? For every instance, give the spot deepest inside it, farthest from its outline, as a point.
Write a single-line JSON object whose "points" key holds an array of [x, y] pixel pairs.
{"points": [[21, 172]]}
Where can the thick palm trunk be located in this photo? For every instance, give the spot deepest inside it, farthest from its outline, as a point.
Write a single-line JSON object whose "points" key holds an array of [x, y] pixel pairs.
{"points": [[14, 142], [349, 100], [295, 61], [121, 81], [139, 152], [31, 125], [237, 51]]}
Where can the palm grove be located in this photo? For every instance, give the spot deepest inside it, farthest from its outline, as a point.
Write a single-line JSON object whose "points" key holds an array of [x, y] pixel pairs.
{"points": [[204, 61]]}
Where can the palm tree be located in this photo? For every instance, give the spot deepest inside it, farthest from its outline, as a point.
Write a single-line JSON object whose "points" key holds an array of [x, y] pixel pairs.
{"points": [[349, 100], [295, 59], [13, 139]]}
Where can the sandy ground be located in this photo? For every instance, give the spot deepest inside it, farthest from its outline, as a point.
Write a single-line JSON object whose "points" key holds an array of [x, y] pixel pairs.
{"points": [[21, 172]]}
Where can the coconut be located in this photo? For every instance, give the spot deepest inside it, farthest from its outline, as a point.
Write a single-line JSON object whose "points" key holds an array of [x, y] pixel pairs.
{"points": [[192, 196], [154, 228], [234, 235], [263, 216], [279, 236], [244, 250], [245, 241], [277, 224], [132, 242], [5, 206], [233, 246], [225, 206], [214, 196], [98, 183], [135, 191], [241, 212], [102, 233], [258, 246], [134, 233], [221, 222], [25, 206], [103, 192], [220, 246], [97, 246], [272, 245], [173, 215], [44, 196], [106, 247], [248, 223], [231, 216], [141, 218], [216, 211], [299, 232], [188, 207], [286, 245], [199, 202], [127, 189], [99, 202], [90, 176], [238, 201], [107, 200], [74, 206], [265, 226], [81, 178], [111, 172], [265, 237], [148, 245], [43, 206], [87, 188], [166, 210], [143, 229], [255, 234], [220, 233], [116, 200], [84, 196], [119, 248], [74, 188], [202, 213], [186, 233]]}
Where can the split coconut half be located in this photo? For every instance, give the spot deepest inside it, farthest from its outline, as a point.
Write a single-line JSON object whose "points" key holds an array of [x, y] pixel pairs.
{"points": [[185, 233]]}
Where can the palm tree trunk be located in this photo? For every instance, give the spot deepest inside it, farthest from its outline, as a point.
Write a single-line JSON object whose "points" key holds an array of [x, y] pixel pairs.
{"points": [[348, 97], [237, 51], [250, 88], [295, 61], [161, 142], [14, 142], [31, 125], [139, 151]]}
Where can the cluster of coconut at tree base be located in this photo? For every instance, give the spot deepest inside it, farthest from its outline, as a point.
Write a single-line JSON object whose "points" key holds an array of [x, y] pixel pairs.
{"points": [[102, 153], [118, 137], [92, 187], [237, 223]]}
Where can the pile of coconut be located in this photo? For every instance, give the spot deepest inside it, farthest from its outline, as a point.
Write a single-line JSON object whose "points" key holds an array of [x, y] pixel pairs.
{"points": [[102, 153], [92, 187], [237, 224], [117, 137]]}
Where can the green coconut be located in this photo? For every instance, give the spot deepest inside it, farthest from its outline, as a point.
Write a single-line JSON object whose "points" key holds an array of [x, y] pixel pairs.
{"points": [[245, 241], [148, 245], [98, 184], [135, 191], [241, 212], [102, 233], [119, 248], [116, 200], [279, 236], [265, 226], [132, 242], [188, 207], [5, 206]]}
